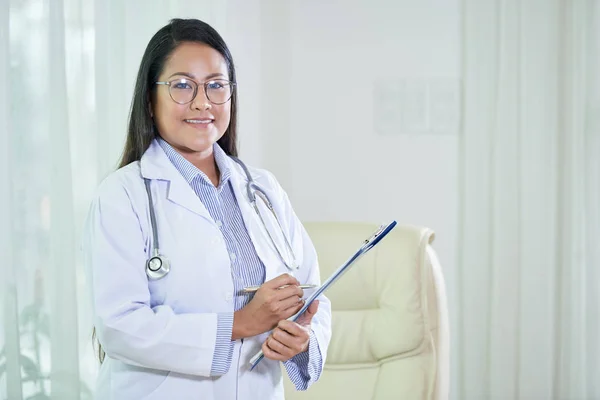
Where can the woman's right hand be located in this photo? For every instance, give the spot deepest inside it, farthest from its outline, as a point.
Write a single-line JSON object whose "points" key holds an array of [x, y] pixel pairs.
{"points": [[270, 304]]}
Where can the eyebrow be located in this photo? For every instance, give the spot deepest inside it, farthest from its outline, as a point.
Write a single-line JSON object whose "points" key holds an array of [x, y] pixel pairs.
{"points": [[191, 76]]}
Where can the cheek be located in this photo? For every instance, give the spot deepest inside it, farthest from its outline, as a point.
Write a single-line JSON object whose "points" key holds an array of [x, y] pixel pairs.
{"points": [[169, 115], [224, 116]]}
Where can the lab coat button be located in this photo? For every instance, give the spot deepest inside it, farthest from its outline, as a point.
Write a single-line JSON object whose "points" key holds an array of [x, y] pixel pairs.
{"points": [[228, 296], [219, 223]]}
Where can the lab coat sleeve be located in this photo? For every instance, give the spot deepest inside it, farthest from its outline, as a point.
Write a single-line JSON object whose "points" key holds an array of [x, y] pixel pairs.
{"points": [[127, 327], [310, 370], [224, 346], [305, 368]]}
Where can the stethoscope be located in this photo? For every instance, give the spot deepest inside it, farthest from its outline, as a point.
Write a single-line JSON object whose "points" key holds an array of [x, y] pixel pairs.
{"points": [[158, 265]]}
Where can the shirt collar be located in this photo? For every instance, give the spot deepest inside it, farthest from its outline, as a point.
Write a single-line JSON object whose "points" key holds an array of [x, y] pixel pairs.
{"points": [[189, 171]]}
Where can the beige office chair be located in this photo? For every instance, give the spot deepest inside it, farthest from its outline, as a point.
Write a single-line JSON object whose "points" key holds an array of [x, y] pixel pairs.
{"points": [[390, 319]]}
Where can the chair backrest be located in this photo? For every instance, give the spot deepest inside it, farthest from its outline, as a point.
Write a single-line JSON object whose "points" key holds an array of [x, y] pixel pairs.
{"points": [[390, 322]]}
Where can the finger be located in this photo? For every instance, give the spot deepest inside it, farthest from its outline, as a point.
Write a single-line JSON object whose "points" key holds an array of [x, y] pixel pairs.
{"points": [[306, 317], [296, 343], [270, 354], [291, 301], [281, 280], [293, 328], [293, 310], [313, 308], [280, 348], [289, 291]]}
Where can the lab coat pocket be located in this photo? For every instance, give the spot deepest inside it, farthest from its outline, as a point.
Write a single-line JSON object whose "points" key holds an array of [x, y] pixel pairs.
{"points": [[133, 382], [185, 387], [160, 386]]}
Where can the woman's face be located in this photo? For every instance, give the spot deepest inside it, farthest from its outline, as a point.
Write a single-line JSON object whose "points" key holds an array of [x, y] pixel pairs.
{"points": [[196, 126]]}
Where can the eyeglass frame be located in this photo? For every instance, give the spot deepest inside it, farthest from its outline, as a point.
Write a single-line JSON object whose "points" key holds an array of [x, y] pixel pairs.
{"points": [[204, 85]]}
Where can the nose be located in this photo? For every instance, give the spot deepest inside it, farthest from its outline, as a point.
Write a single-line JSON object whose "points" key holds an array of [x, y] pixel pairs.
{"points": [[201, 101]]}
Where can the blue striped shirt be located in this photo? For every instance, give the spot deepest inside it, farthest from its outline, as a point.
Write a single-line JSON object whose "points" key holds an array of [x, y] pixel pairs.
{"points": [[246, 267]]}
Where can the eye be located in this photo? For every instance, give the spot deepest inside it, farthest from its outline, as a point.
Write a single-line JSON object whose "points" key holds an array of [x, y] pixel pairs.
{"points": [[215, 85], [182, 84]]}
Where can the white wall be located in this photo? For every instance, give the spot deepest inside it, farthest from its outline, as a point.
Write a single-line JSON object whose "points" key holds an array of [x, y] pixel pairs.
{"points": [[321, 142]]}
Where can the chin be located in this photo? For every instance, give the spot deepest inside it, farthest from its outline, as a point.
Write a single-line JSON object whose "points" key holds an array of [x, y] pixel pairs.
{"points": [[201, 144], [196, 139]]}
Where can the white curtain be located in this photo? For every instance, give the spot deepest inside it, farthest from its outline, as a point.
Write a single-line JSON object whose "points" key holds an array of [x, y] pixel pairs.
{"points": [[67, 71], [527, 321]]}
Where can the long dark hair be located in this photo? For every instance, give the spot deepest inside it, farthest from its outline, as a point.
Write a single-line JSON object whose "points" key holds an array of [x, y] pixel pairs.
{"points": [[141, 126]]}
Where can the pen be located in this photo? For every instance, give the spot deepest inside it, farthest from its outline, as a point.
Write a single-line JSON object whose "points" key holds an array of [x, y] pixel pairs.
{"points": [[252, 289]]}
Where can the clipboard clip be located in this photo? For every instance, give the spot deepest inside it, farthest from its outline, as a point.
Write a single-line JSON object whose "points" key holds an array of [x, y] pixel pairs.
{"points": [[377, 233], [383, 230]]}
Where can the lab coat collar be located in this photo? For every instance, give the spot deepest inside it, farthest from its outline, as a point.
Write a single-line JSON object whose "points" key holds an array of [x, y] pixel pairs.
{"points": [[190, 171], [155, 165]]}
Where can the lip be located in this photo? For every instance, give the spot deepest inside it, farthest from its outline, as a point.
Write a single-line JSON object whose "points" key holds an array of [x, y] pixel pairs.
{"points": [[206, 120], [206, 124]]}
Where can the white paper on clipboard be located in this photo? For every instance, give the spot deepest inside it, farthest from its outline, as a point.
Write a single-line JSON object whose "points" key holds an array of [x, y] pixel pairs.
{"points": [[367, 245]]}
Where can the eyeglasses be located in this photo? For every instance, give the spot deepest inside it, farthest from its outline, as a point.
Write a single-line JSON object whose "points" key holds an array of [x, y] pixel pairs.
{"points": [[184, 91]]}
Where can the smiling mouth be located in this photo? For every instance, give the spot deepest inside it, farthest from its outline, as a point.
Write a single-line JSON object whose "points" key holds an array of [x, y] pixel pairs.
{"points": [[199, 121]]}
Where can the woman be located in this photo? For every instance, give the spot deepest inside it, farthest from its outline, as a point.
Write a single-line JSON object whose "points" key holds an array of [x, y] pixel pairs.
{"points": [[172, 240]]}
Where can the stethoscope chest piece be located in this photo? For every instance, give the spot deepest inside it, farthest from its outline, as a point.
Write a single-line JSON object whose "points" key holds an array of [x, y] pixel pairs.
{"points": [[157, 267]]}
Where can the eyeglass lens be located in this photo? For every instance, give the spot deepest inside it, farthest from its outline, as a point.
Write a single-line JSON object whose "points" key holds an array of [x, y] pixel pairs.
{"points": [[184, 90]]}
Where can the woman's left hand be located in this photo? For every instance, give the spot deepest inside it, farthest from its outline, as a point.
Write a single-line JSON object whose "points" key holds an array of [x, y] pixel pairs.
{"points": [[290, 338]]}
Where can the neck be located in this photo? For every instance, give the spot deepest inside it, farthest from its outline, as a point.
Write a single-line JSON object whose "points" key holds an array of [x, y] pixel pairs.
{"points": [[205, 162], [210, 169]]}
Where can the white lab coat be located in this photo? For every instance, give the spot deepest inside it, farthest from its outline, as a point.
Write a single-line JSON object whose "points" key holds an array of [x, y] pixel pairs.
{"points": [[160, 335]]}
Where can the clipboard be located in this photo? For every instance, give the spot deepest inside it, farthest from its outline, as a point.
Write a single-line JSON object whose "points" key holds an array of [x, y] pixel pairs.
{"points": [[367, 245]]}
